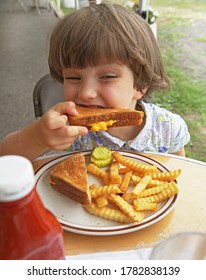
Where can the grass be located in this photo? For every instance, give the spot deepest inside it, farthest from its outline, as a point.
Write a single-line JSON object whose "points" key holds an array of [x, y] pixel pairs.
{"points": [[201, 39], [188, 94]]}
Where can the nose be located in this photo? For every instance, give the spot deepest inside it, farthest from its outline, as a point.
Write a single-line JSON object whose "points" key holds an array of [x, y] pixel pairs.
{"points": [[87, 91]]}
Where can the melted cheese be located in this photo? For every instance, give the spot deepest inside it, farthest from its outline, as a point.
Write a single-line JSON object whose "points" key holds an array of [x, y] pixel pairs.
{"points": [[101, 125]]}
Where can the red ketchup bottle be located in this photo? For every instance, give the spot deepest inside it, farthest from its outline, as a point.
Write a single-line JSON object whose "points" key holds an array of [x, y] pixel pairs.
{"points": [[28, 231]]}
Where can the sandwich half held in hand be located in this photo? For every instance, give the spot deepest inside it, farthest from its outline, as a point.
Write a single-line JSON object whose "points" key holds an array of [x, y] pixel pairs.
{"points": [[96, 119]]}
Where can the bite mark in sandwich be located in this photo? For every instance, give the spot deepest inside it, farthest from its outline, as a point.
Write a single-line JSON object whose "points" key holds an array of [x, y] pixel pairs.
{"points": [[96, 119]]}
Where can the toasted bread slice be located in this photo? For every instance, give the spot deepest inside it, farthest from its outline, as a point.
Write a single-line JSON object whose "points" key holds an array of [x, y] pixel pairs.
{"points": [[70, 178], [90, 117]]}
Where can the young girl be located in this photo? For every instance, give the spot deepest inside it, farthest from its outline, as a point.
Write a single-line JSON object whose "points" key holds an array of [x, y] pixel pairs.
{"points": [[106, 56]]}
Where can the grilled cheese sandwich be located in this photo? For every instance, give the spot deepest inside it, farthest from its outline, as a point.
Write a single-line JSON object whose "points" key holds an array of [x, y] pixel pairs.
{"points": [[69, 177], [96, 119]]}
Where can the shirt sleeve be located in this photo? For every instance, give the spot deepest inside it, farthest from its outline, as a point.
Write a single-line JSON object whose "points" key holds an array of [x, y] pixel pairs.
{"points": [[167, 132], [180, 136]]}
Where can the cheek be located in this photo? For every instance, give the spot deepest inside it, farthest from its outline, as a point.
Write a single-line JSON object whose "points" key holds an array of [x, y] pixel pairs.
{"points": [[118, 95], [69, 93], [111, 96], [115, 100]]}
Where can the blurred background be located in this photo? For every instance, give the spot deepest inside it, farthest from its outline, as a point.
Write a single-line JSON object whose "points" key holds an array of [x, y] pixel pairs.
{"points": [[179, 27], [23, 59]]}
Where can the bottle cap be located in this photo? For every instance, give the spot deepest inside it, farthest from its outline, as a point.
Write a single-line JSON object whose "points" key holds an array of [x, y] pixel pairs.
{"points": [[16, 177]]}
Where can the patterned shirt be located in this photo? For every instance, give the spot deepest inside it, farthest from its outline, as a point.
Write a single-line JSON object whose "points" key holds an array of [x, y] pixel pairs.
{"points": [[163, 132]]}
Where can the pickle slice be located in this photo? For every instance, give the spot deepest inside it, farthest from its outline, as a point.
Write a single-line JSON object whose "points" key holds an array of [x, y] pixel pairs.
{"points": [[101, 152], [101, 162]]}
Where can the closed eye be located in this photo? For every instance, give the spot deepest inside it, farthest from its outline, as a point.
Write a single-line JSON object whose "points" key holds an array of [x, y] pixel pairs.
{"points": [[108, 77], [72, 78]]}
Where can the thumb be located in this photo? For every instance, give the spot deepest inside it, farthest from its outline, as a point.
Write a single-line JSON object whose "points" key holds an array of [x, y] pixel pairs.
{"points": [[66, 108]]}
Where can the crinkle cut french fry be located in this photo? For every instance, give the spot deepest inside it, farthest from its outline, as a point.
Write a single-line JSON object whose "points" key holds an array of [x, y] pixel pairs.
{"points": [[93, 186], [152, 183], [140, 174], [103, 190], [136, 179], [154, 190], [125, 182], [101, 201], [143, 205], [166, 176], [127, 208], [142, 185], [92, 168], [123, 170], [134, 165], [129, 196], [171, 190], [114, 173], [108, 213], [146, 192]]}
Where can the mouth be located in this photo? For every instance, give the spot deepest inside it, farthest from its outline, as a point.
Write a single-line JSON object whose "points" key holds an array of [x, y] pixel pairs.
{"points": [[90, 106]]}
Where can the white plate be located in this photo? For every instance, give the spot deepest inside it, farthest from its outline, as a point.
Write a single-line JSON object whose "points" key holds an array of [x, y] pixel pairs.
{"points": [[72, 215]]}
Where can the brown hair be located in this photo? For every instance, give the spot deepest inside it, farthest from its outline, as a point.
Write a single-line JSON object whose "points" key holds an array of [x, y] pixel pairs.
{"points": [[107, 33]]}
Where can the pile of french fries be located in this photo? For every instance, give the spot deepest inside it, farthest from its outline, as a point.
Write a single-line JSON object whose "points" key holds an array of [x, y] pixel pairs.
{"points": [[129, 189]]}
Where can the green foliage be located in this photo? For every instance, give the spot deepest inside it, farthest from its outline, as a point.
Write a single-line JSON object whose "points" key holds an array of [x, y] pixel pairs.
{"points": [[192, 4], [64, 10], [187, 96]]}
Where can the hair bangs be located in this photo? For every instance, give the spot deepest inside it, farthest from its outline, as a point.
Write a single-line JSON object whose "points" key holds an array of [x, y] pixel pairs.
{"points": [[104, 34], [97, 48]]}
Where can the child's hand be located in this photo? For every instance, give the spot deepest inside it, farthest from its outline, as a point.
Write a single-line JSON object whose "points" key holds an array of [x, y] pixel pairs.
{"points": [[55, 133]]}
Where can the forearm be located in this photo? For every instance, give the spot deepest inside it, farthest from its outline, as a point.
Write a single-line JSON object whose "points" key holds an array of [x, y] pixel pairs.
{"points": [[50, 132], [24, 143]]}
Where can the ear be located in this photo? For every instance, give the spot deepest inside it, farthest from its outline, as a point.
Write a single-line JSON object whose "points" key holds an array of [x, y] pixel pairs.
{"points": [[139, 94]]}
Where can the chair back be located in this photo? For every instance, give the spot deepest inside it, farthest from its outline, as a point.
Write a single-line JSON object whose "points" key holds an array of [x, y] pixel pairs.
{"points": [[46, 94]]}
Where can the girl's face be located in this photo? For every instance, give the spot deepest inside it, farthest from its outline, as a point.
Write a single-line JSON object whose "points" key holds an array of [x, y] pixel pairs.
{"points": [[107, 85]]}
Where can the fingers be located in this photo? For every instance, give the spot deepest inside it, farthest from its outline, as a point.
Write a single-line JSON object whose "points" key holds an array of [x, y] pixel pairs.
{"points": [[55, 121], [66, 108], [74, 131], [55, 133], [62, 138], [69, 133], [57, 116]]}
